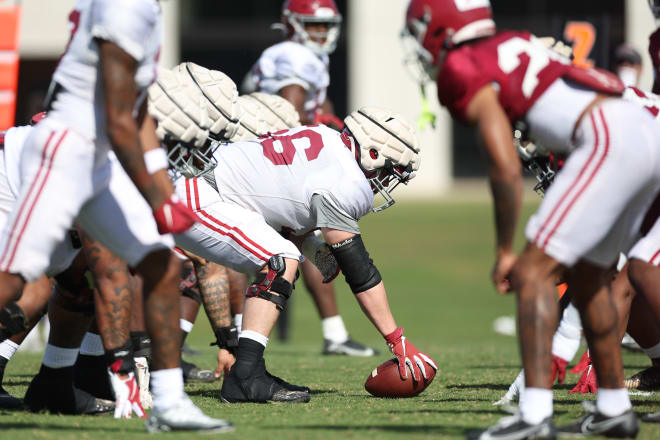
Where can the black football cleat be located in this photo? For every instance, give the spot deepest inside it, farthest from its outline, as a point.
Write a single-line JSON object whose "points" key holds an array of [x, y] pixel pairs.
{"points": [[52, 390], [252, 383], [515, 428], [91, 375], [595, 423], [192, 373], [283, 383], [7, 401]]}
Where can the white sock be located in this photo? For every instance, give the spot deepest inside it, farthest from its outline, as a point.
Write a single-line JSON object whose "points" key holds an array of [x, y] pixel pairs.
{"points": [[58, 357], [257, 337], [92, 345], [334, 329], [186, 326], [8, 348], [611, 402], [238, 321], [652, 352], [566, 341], [517, 387], [535, 405], [166, 388]]}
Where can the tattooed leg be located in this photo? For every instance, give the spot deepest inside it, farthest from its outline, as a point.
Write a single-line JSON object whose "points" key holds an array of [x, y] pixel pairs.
{"points": [[112, 295], [238, 284], [161, 273], [213, 284], [591, 287], [532, 279]]}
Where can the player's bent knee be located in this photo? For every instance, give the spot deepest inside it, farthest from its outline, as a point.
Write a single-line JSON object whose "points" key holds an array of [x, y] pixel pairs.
{"points": [[271, 285], [639, 274], [77, 303]]}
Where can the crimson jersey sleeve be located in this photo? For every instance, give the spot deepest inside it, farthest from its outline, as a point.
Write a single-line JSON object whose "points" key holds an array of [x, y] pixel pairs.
{"points": [[520, 67]]}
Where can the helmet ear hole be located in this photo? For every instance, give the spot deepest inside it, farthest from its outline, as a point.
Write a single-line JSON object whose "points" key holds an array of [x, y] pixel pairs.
{"points": [[373, 154]]}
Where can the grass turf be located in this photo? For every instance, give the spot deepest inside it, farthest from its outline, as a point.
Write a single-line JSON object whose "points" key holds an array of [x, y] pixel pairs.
{"points": [[435, 259]]}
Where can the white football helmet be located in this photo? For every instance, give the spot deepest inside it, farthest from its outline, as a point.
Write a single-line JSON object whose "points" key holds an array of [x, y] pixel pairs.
{"points": [[262, 113], [386, 148], [195, 108]]}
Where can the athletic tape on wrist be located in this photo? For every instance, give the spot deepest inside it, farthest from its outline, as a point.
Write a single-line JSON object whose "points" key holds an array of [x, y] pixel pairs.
{"points": [[155, 160]]}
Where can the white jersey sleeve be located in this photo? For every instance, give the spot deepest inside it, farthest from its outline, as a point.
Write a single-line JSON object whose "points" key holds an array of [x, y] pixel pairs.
{"points": [[127, 23], [135, 26], [289, 63]]}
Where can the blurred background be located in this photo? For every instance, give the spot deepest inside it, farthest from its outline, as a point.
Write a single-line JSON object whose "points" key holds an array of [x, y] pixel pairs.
{"points": [[366, 68]]}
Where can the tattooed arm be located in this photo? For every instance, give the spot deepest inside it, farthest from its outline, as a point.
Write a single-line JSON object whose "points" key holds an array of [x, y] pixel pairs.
{"points": [[120, 92], [213, 284]]}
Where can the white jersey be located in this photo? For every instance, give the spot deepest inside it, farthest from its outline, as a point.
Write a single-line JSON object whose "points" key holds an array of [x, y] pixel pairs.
{"points": [[288, 63], [14, 139], [276, 176], [135, 26]]}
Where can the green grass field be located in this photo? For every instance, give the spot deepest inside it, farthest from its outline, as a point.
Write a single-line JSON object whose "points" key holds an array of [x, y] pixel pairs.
{"points": [[435, 259]]}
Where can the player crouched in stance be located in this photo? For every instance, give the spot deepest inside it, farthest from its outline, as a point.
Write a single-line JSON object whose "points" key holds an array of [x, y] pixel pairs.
{"points": [[490, 79], [296, 181]]}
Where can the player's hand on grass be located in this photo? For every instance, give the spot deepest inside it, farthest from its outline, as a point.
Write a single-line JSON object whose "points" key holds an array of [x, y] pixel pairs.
{"points": [[225, 361], [173, 217], [409, 358], [501, 269], [558, 371], [127, 396]]}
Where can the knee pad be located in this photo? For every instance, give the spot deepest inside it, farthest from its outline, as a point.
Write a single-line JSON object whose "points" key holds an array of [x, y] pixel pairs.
{"points": [[272, 281], [13, 321]]}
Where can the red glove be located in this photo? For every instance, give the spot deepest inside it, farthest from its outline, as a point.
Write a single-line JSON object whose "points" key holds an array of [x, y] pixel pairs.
{"points": [[587, 382], [582, 364], [558, 369], [408, 356], [127, 395], [173, 217], [330, 120]]}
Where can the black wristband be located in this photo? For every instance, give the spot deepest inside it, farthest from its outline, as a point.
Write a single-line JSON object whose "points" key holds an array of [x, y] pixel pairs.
{"points": [[227, 338]]}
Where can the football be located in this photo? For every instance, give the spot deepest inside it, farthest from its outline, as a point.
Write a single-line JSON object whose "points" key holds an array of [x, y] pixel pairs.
{"points": [[385, 381]]}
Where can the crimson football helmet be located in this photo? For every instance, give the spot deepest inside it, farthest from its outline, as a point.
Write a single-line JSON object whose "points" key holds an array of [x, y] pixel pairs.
{"points": [[434, 26], [297, 14]]}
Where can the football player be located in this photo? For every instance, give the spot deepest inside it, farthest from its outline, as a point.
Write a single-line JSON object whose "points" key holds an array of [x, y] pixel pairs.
{"points": [[96, 104], [490, 79], [298, 70], [295, 181]]}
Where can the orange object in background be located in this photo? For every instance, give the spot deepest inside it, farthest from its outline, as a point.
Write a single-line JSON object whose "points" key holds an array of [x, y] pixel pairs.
{"points": [[9, 58], [561, 289], [583, 36]]}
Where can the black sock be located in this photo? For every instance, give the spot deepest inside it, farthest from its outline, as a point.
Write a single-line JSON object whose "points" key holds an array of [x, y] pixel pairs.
{"points": [[249, 354], [141, 345], [3, 364]]}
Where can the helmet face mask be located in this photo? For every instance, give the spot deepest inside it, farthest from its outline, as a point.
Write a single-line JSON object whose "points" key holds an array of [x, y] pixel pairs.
{"points": [[297, 15], [418, 61], [189, 161], [386, 149]]}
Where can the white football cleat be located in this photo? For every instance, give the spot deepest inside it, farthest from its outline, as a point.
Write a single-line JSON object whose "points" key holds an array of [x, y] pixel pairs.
{"points": [[142, 369], [185, 416]]}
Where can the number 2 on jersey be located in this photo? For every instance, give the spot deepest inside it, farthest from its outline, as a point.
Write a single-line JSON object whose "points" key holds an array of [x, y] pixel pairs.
{"points": [[281, 150], [508, 59]]}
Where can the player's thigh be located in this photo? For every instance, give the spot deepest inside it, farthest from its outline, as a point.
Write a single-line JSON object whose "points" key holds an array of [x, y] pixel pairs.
{"points": [[120, 219], [236, 237], [597, 200], [57, 167]]}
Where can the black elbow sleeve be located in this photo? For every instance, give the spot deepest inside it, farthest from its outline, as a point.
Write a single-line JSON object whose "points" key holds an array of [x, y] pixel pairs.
{"points": [[354, 261]]}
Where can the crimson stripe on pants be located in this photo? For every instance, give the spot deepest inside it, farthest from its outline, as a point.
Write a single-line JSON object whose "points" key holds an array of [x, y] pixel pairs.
{"points": [[570, 188], [50, 160], [589, 180]]}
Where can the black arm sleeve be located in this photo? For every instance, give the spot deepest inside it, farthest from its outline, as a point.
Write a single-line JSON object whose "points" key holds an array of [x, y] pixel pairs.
{"points": [[354, 261]]}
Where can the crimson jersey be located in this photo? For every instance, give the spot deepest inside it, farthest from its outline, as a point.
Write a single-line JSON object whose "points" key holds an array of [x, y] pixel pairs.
{"points": [[519, 66]]}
